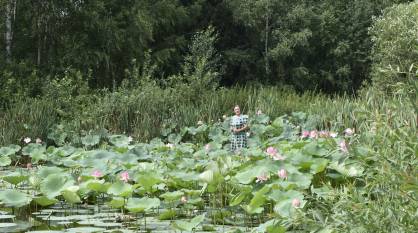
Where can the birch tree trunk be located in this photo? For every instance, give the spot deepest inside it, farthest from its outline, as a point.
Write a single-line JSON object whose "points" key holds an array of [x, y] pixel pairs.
{"points": [[266, 59], [10, 14]]}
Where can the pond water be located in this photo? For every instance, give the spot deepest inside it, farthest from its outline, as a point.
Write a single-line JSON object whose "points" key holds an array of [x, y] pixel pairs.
{"points": [[91, 218]]}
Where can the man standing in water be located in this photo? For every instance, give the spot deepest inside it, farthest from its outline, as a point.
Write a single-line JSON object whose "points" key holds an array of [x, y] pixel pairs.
{"points": [[238, 129]]}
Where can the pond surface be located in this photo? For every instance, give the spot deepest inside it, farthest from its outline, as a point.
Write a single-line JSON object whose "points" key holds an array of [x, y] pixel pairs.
{"points": [[91, 218]]}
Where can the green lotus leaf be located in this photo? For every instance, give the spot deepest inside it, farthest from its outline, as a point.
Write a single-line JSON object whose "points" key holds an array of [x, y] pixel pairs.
{"points": [[44, 172], [285, 209], [149, 179], [144, 204], [319, 165], [207, 176], [90, 140], [128, 159], [37, 156], [256, 204], [271, 226], [85, 230], [45, 231], [116, 202], [167, 215], [172, 196], [15, 178], [348, 168], [9, 150], [195, 201], [54, 184], [315, 148], [262, 119], [14, 198], [258, 129], [71, 197], [64, 151], [283, 200], [324, 192], [238, 198], [247, 175], [6, 216], [188, 225], [5, 161], [279, 195], [33, 148], [98, 186], [44, 201], [120, 189], [7, 224], [174, 138], [119, 140], [181, 177]]}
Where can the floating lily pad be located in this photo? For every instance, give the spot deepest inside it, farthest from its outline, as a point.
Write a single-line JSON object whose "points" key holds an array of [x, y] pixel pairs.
{"points": [[7, 216], [144, 204], [7, 224], [188, 225], [107, 224], [119, 140], [90, 140], [14, 198], [5, 161], [15, 178], [44, 201], [85, 230], [46, 231], [54, 184], [9, 150]]}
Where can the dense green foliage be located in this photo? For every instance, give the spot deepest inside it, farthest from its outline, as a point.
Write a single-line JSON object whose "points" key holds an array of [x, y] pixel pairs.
{"points": [[367, 184], [395, 47], [305, 44]]}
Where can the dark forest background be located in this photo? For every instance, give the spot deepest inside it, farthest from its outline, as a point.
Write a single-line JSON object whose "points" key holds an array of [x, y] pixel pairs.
{"points": [[320, 45]]}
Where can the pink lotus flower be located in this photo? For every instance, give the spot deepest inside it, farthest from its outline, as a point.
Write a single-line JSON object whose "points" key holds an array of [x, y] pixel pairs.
{"points": [[343, 146], [97, 174], [282, 173], [323, 134], [124, 176], [27, 140], [262, 178], [259, 112], [313, 134], [183, 199], [271, 151], [207, 147], [349, 132], [29, 166], [305, 134], [296, 203], [333, 134], [38, 141]]}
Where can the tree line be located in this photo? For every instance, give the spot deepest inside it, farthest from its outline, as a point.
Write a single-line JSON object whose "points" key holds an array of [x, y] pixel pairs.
{"points": [[307, 45]]}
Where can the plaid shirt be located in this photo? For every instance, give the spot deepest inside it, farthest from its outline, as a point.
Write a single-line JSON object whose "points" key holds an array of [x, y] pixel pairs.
{"points": [[238, 140]]}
